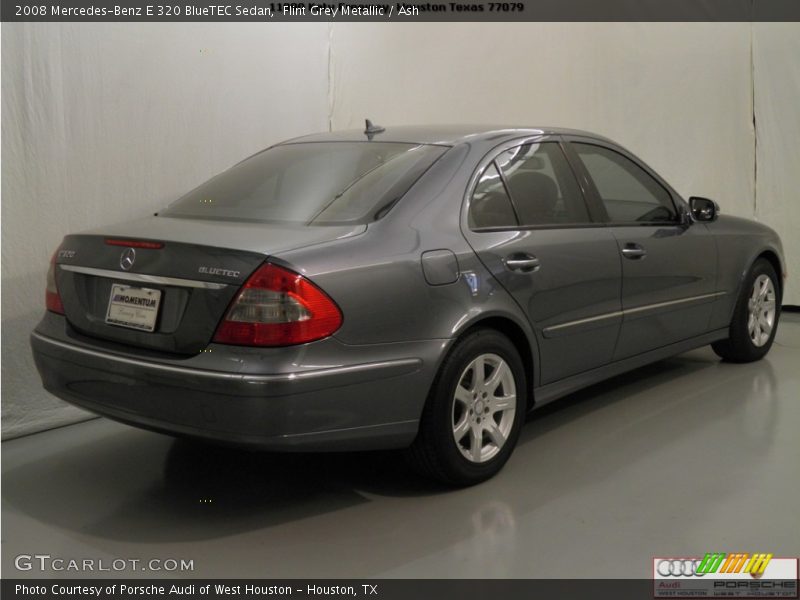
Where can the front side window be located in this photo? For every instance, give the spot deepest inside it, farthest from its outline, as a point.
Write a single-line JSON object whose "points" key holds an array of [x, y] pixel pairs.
{"points": [[628, 192], [542, 185], [313, 183]]}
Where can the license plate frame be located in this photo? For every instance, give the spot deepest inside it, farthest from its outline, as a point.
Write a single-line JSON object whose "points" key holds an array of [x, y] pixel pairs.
{"points": [[133, 307]]}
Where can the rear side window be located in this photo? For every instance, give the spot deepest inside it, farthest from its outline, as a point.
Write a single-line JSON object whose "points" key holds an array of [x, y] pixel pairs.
{"points": [[321, 183], [490, 205], [628, 192], [542, 185]]}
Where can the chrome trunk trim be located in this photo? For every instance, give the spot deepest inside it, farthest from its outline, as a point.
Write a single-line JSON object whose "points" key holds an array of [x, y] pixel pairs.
{"points": [[142, 278]]}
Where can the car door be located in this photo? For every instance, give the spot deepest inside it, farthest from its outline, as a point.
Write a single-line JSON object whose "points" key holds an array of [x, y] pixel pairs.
{"points": [[668, 262], [529, 224]]}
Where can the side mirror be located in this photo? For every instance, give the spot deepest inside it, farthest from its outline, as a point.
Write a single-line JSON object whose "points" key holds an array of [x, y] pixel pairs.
{"points": [[704, 210]]}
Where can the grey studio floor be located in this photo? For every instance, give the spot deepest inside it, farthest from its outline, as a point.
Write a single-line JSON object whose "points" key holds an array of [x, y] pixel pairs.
{"points": [[683, 457]]}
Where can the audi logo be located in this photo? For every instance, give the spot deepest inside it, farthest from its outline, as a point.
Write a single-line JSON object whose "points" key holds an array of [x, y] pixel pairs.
{"points": [[679, 567], [127, 258]]}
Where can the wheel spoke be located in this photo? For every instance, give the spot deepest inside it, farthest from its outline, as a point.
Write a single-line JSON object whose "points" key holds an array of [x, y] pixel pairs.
{"points": [[478, 373], [463, 395], [503, 403], [476, 443], [495, 434], [462, 428], [496, 378], [751, 325], [764, 288], [768, 304]]}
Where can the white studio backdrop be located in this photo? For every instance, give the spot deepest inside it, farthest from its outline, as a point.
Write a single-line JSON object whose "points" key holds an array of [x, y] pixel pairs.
{"points": [[676, 94], [776, 71], [106, 122]]}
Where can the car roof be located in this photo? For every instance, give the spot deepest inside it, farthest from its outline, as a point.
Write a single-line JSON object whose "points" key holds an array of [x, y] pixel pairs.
{"points": [[448, 135]]}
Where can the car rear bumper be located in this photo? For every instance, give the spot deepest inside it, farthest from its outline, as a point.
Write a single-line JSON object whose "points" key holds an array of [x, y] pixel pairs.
{"points": [[352, 404]]}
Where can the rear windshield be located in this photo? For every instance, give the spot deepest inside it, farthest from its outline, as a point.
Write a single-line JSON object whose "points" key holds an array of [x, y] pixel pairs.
{"points": [[322, 183]]}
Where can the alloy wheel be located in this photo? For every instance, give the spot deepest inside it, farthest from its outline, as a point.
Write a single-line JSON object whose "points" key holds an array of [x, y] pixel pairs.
{"points": [[761, 310], [484, 406]]}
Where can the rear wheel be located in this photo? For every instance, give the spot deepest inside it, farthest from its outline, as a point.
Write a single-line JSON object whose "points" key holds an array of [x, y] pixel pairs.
{"points": [[474, 412], [755, 318]]}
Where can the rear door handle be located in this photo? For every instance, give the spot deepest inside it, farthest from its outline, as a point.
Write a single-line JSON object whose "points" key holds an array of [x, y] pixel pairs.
{"points": [[633, 251], [525, 263]]}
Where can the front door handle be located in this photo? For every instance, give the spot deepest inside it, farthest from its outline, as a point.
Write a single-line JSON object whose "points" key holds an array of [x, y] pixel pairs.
{"points": [[633, 251], [525, 263]]}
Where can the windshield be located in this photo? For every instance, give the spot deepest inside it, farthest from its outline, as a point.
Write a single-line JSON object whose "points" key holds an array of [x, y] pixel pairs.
{"points": [[322, 183]]}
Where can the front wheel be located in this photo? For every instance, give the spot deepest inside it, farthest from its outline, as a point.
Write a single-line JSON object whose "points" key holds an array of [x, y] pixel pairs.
{"points": [[755, 317], [474, 412]]}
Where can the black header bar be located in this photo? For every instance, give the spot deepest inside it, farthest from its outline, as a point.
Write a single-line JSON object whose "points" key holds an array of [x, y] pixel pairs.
{"points": [[408, 11]]}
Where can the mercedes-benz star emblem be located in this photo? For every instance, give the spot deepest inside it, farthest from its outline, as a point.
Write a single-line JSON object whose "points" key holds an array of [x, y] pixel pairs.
{"points": [[127, 258]]}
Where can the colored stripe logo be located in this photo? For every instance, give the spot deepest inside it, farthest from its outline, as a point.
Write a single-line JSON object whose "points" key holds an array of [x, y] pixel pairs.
{"points": [[720, 562]]}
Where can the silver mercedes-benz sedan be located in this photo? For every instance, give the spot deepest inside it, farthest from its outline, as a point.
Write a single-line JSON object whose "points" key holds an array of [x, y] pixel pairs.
{"points": [[410, 287]]}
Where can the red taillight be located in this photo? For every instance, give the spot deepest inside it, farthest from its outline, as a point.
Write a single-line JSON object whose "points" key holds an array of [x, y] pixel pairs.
{"points": [[135, 244], [51, 297], [277, 307]]}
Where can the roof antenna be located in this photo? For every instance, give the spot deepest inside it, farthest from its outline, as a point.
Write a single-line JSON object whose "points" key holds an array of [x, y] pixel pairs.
{"points": [[371, 130]]}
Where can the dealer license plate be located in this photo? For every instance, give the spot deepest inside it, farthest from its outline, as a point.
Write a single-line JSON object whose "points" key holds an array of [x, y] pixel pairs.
{"points": [[133, 307]]}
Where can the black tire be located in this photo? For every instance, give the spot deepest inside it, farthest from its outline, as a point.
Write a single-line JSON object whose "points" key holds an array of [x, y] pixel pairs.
{"points": [[740, 347], [435, 452]]}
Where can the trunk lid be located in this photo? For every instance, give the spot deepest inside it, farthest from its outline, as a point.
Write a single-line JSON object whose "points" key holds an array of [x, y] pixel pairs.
{"points": [[194, 275]]}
